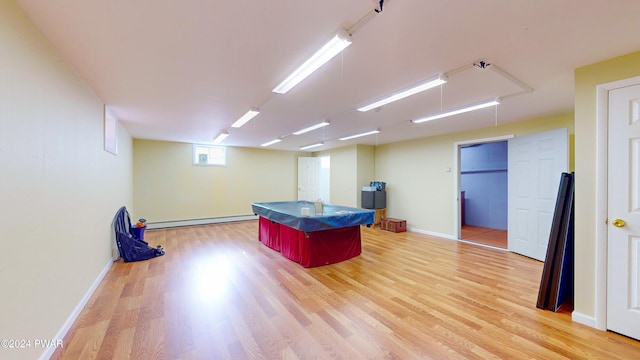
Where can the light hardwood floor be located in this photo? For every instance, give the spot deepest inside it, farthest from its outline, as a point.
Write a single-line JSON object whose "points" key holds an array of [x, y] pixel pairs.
{"points": [[486, 236], [219, 293]]}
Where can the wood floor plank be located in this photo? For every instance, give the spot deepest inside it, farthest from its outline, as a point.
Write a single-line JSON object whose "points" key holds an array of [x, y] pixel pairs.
{"points": [[220, 293]]}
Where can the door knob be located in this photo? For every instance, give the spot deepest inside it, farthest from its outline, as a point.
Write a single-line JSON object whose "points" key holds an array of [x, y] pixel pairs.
{"points": [[618, 223]]}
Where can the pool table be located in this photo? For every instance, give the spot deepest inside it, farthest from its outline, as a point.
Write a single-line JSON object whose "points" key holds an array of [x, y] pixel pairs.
{"points": [[312, 239]]}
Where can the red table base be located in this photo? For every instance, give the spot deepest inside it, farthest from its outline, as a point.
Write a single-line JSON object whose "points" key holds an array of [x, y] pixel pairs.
{"points": [[311, 249], [268, 233]]}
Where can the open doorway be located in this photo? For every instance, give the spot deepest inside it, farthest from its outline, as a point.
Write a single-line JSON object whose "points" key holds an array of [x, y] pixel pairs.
{"points": [[535, 165], [483, 187], [314, 178]]}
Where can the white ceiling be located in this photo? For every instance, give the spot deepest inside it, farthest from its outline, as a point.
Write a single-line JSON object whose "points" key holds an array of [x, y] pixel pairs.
{"points": [[185, 70]]}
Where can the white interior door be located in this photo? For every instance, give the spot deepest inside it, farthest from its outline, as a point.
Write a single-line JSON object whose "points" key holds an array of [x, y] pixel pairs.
{"points": [[308, 178], [536, 163], [623, 263], [324, 182]]}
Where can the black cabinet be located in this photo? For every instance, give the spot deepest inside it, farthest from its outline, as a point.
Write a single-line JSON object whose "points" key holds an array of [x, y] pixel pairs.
{"points": [[374, 199]]}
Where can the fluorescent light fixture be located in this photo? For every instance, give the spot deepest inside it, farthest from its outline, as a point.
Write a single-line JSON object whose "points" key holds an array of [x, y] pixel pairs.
{"points": [[457, 111], [338, 43], [274, 141], [311, 128], [431, 83], [223, 135], [245, 118], [359, 135], [311, 146]]}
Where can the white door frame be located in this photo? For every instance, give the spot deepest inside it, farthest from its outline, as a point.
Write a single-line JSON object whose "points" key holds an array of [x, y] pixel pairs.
{"points": [[602, 153], [456, 176]]}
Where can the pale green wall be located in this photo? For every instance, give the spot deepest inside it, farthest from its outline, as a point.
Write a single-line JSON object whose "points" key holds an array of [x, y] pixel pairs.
{"points": [[169, 187], [587, 78], [351, 168], [366, 170], [419, 189], [59, 190], [344, 172]]}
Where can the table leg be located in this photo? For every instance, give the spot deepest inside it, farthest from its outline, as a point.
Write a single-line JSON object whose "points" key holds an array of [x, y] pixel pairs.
{"points": [[380, 214]]}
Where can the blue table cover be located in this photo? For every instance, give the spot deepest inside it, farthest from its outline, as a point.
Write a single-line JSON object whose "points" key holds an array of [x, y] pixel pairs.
{"points": [[289, 213]]}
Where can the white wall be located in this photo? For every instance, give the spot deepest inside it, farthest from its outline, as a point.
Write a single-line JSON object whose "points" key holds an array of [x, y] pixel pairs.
{"points": [[59, 189]]}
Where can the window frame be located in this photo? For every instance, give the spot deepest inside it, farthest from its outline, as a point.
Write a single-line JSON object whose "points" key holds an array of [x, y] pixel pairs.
{"points": [[198, 150]]}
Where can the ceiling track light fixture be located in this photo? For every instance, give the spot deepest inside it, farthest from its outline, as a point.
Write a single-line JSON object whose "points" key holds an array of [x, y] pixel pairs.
{"points": [[412, 90], [223, 135], [340, 40], [459, 110], [360, 134], [312, 127], [483, 64], [337, 43], [245, 118], [311, 146], [269, 143]]}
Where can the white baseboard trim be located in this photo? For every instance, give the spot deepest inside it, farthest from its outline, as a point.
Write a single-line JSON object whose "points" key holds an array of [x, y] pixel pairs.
{"points": [[584, 319], [193, 222], [76, 312], [451, 237], [432, 233]]}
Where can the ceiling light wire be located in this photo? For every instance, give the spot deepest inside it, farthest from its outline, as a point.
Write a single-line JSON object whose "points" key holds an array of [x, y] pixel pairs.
{"points": [[481, 64], [525, 87], [342, 65], [349, 31], [459, 110], [406, 92]]}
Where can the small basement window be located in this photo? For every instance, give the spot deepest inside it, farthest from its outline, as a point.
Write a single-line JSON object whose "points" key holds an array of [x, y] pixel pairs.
{"points": [[209, 155]]}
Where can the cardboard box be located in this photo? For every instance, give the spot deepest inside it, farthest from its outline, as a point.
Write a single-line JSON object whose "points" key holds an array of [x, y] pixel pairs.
{"points": [[394, 225]]}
